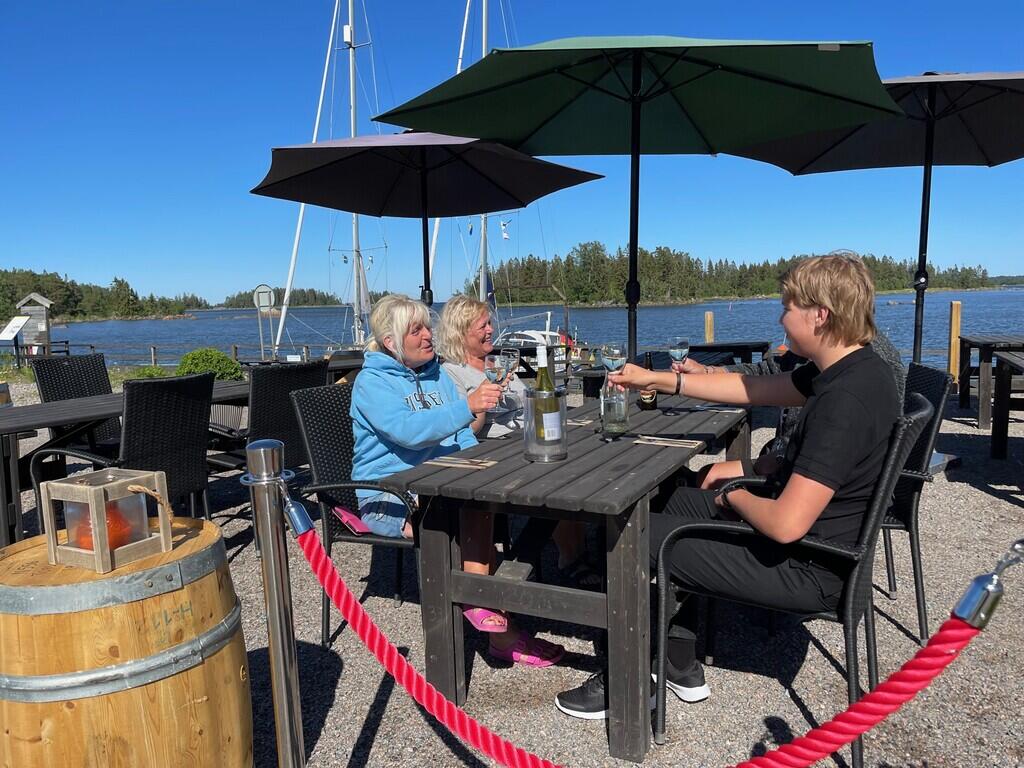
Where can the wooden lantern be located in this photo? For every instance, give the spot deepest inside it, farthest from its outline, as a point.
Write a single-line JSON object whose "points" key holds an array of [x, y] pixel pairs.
{"points": [[105, 517]]}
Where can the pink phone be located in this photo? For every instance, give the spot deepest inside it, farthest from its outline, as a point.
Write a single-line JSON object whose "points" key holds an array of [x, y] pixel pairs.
{"points": [[351, 521]]}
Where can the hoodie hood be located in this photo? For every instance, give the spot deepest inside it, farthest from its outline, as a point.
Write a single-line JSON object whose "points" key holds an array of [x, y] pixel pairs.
{"points": [[385, 363]]}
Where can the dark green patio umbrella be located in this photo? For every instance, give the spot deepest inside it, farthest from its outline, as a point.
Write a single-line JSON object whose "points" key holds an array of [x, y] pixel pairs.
{"points": [[652, 95], [951, 119]]}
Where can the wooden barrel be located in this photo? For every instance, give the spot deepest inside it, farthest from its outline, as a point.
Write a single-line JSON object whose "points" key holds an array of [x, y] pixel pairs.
{"points": [[142, 666]]}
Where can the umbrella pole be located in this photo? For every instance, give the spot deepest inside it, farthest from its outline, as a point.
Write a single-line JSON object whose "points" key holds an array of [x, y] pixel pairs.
{"points": [[426, 295], [921, 276], [632, 284]]}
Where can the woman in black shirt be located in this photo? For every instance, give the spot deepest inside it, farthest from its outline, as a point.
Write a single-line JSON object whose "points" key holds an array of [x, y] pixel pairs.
{"points": [[829, 470]]}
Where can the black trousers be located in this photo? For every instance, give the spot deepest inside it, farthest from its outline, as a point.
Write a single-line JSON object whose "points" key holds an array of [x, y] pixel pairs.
{"points": [[762, 572]]}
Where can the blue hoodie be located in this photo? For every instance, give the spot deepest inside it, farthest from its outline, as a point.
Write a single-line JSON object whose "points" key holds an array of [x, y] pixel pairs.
{"points": [[392, 427]]}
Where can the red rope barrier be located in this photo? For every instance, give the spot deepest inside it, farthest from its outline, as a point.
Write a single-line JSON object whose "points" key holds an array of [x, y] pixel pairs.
{"points": [[901, 687], [451, 716]]}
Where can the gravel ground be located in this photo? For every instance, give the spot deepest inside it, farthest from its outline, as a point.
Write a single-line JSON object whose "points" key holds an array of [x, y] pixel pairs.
{"points": [[771, 681]]}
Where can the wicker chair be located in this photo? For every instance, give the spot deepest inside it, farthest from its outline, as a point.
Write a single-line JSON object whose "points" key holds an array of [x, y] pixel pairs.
{"points": [[270, 415], [165, 424], [67, 378], [855, 602], [323, 415], [934, 386]]}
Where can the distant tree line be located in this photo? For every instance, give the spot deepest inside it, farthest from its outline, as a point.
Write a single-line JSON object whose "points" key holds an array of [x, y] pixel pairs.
{"points": [[301, 297], [72, 299], [589, 274]]}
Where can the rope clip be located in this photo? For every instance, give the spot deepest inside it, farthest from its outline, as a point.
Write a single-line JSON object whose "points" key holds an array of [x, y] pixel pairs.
{"points": [[981, 598]]}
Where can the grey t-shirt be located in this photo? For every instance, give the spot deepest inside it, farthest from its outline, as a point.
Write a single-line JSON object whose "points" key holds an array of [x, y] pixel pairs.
{"points": [[498, 424]]}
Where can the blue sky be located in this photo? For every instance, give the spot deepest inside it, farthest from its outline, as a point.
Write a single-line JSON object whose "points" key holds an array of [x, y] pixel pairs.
{"points": [[132, 132]]}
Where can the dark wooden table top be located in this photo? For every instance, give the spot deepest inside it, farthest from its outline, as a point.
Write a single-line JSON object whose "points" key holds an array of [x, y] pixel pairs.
{"points": [[58, 413], [598, 477], [993, 340], [1013, 359]]}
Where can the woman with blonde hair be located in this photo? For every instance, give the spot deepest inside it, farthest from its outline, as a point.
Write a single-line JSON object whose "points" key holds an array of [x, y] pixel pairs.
{"points": [[827, 476], [405, 411], [465, 337]]}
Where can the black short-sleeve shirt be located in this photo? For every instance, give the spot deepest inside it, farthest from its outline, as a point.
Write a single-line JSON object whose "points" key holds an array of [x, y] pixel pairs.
{"points": [[842, 436]]}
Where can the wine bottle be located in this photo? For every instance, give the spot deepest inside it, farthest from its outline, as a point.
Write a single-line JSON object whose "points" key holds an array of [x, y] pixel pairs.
{"points": [[547, 415], [648, 400]]}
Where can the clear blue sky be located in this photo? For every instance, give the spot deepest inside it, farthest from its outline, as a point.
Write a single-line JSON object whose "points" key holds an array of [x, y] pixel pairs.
{"points": [[132, 132]]}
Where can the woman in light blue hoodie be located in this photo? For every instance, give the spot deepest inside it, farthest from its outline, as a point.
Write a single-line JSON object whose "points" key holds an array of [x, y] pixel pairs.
{"points": [[406, 410]]}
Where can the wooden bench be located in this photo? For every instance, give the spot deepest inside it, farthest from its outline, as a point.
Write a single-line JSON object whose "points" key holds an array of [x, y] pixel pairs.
{"points": [[1007, 364]]}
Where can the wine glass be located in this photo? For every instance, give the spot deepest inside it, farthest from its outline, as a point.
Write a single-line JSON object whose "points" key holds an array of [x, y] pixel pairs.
{"points": [[495, 369], [613, 356], [678, 351], [511, 356]]}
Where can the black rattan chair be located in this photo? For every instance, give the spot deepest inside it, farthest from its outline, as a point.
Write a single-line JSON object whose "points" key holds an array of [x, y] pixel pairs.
{"points": [[855, 601], [933, 385], [67, 378], [270, 413], [326, 426], [164, 429]]}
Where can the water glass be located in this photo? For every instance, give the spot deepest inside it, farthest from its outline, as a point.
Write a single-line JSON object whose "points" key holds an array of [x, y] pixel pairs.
{"points": [[495, 369], [614, 411], [678, 351]]}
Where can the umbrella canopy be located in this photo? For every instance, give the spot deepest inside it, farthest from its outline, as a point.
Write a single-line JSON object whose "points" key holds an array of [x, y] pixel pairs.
{"points": [[655, 95], [413, 175], [951, 119]]}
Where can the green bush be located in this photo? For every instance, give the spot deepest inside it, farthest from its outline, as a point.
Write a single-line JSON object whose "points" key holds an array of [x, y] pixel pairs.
{"points": [[148, 372], [208, 359]]}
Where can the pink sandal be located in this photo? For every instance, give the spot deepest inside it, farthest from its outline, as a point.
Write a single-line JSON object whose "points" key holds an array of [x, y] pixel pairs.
{"points": [[486, 620], [529, 650]]}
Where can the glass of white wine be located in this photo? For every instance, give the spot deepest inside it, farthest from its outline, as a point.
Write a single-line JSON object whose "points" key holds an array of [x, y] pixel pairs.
{"points": [[679, 351], [495, 369], [614, 402], [511, 356]]}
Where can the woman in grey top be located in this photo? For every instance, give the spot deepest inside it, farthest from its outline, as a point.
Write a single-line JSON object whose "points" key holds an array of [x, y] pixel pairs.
{"points": [[464, 340]]}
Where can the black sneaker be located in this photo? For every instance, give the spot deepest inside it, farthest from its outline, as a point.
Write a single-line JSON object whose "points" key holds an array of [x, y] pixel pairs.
{"points": [[589, 701], [689, 686]]}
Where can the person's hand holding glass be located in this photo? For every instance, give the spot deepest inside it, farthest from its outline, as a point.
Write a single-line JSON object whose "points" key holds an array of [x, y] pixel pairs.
{"points": [[679, 351]]}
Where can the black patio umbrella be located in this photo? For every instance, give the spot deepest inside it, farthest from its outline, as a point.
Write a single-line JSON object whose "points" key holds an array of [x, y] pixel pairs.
{"points": [[414, 175], [951, 119]]}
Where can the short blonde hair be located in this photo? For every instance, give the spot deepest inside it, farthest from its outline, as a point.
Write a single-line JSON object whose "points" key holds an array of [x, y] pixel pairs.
{"points": [[840, 284], [393, 316], [459, 313]]}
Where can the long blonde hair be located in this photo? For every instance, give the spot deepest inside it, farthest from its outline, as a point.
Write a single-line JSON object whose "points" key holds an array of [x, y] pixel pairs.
{"points": [[459, 313], [392, 317]]}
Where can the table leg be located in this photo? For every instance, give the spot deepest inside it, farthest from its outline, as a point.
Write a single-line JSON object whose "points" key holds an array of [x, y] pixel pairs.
{"points": [[984, 387], [629, 652], [964, 379], [10, 492], [737, 441], [1001, 417], [458, 629], [436, 533]]}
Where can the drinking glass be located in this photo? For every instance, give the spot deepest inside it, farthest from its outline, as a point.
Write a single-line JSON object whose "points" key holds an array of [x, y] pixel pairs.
{"points": [[511, 356], [678, 351], [495, 369], [614, 402]]}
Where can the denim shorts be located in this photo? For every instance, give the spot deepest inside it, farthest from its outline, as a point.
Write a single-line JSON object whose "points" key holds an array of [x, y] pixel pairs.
{"points": [[384, 514]]}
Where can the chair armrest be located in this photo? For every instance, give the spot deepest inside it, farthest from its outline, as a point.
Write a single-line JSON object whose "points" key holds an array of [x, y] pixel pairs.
{"points": [[909, 474], [830, 547], [353, 486], [222, 431], [755, 481], [42, 453]]}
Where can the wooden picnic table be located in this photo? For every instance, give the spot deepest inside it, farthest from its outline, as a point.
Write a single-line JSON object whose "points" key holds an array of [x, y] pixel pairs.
{"points": [[1007, 364], [84, 413], [986, 346], [608, 483]]}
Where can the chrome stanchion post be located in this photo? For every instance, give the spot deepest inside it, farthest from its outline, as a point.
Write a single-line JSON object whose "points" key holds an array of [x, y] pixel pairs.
{"points": [[265, 481]]}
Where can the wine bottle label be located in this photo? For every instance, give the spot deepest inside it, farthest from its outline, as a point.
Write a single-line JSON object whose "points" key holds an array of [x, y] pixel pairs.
{"points": [[648, 395], [542, 356], [552, 425]]}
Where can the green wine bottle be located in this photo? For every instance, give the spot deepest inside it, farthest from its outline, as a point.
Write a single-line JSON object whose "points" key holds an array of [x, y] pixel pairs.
{"points": [[547, 417]]}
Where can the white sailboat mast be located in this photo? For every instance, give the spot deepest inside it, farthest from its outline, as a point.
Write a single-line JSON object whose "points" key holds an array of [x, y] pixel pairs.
{"points": [[358, 275], [483, 216], [302, 206], [458, 69]]}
